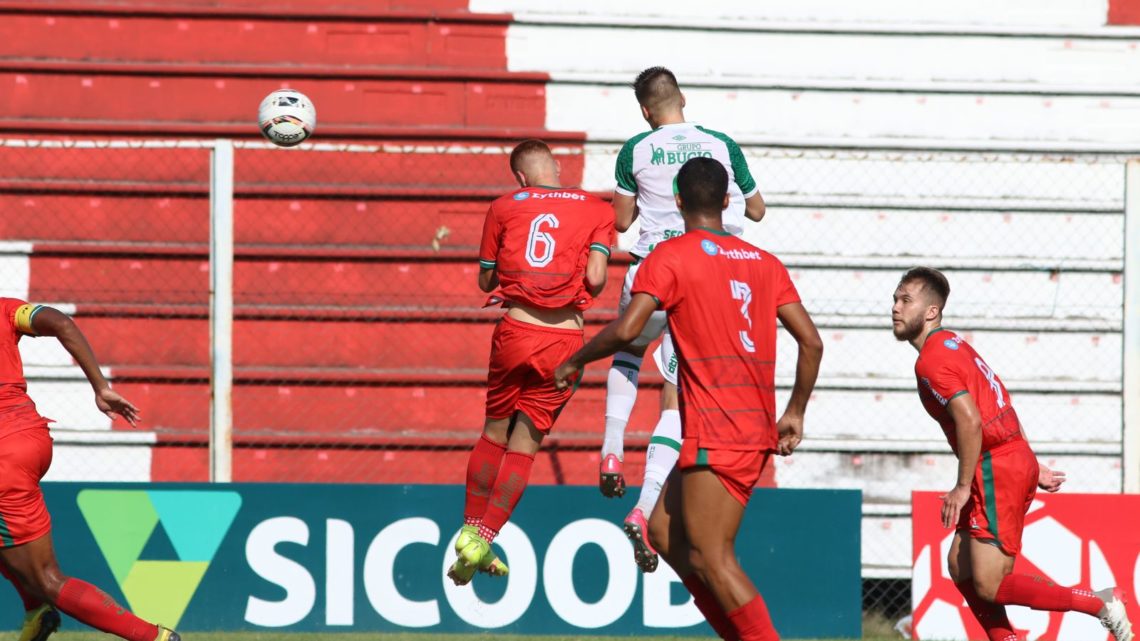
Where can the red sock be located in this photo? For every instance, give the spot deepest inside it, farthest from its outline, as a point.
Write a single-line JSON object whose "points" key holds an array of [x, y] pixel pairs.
{"points": [[1042, 594], [92, 606], [991, 616], [752, 622], [707, 604], [30, 602], [509, 486], [482, 468]]}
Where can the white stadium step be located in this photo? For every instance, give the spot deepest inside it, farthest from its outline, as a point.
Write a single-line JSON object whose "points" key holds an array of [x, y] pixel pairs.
{"points": [[100, 456], [871, 14], [852, 117], [810, 60], [912, 179]]}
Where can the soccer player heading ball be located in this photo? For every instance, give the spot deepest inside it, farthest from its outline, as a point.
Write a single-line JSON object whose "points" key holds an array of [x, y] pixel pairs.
{"points": [[998, 474], [27, 557], [547, 248], [723, 297]]}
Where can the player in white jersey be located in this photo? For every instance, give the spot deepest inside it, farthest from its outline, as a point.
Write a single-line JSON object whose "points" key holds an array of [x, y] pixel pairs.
{"points": [[646, 172]]}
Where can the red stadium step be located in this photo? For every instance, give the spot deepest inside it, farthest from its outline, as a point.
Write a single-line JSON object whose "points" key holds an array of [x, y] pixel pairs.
{"points": [[425, 39], [553, 466], [410, 344], [212, 96], [160, 219], [408, 413], [283, 281], [258, 8], [430, 171]]}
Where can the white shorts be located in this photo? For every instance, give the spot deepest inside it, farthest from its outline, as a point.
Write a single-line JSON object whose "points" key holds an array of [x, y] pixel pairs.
{"points": [[656, 325], [666, 358]]}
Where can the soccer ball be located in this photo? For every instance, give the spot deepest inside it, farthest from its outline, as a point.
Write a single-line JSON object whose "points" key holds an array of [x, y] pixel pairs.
{"points": [[287, 117]]}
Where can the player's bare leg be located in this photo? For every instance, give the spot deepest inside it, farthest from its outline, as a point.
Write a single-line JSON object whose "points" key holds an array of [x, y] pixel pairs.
{"points": [[34, 567], [712, 518], [506, 491], [991, 616], [992, 580], [621, 393]]}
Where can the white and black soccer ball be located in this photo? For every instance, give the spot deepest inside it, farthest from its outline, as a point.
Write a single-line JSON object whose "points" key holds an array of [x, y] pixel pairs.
{"points": [[287, 117]]}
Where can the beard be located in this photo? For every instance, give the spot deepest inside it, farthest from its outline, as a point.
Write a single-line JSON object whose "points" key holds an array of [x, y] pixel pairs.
{"points": [[909, 330]]}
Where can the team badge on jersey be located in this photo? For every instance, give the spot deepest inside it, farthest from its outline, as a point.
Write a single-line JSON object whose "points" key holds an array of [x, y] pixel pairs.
{"points": [[522, 195], [709, 247], [950, 343]]}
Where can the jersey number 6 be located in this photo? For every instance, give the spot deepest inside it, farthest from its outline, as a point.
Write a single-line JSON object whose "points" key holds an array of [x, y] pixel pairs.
{"points": [[540, 244]]}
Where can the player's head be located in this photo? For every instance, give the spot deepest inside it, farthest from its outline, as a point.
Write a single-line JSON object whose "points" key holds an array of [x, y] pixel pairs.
{"points": [[658, 94], [702, 188], [919, 300], [532, 163]]}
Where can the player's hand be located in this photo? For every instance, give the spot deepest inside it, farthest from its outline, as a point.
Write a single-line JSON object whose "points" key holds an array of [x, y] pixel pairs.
{"points": [[1049, 480], [110, 403], [566, 374], [952, 504], [791, 430]]}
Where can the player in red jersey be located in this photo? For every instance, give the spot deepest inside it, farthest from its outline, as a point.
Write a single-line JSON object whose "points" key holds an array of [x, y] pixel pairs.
{"points": [[27, 558], [998, 473], [546, 248], [723, 297]]}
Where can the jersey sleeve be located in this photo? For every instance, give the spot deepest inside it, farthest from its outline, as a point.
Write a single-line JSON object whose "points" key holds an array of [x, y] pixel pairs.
{"points": [[489, 246], [626, 185], [602, 237], [657, 277], [786, 292], [20, 314], [742, 175], [942, 376]]}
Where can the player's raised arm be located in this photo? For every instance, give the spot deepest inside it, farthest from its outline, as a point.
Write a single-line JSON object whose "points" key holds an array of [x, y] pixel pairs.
{"points": [[968, 431], [48, 321], [799, 324], [614, 336]]}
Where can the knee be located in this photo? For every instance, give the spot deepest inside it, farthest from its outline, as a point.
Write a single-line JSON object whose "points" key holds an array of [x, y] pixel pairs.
{"points": [[987, 590], [46, 582]]}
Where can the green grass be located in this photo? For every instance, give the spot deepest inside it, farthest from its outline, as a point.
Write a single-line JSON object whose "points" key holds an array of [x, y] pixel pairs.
{"points": [[364, 637]]}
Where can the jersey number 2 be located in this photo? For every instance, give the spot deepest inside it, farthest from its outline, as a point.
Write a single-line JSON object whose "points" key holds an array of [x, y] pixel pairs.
{"points": [[742, 292], [540, 244]]}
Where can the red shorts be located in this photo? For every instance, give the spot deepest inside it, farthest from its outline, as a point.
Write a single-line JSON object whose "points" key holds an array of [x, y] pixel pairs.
{"points": [[1000, 496], [738, 470], [521, 374], [25, 457]]}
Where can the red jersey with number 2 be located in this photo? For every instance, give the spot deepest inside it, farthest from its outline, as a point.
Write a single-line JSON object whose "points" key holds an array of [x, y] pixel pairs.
{"points": [[538, 240], [721, 294], [948, 367]]}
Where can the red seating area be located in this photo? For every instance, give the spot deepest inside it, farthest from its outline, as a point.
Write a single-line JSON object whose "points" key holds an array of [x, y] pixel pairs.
{"points": [[360, 347]]}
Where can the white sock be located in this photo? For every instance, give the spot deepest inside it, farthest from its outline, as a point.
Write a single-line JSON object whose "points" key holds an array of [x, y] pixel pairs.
{"points": [[621, 393], [664, 450]]}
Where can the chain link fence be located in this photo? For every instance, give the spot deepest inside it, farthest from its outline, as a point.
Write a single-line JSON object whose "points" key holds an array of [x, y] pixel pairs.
{"points": [[360, 340]]}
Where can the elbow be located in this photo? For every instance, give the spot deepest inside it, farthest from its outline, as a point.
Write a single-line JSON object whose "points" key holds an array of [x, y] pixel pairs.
{"points": [[622, 226], [812, 346], [486, 284], [756, 214], [625, 334]]}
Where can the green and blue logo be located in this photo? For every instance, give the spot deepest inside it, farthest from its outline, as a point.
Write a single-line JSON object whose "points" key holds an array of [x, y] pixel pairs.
{"points": [[158, 543]]}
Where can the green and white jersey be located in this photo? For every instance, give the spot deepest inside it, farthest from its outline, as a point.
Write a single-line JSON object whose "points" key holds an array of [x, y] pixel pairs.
{"points": [[648, 163]]}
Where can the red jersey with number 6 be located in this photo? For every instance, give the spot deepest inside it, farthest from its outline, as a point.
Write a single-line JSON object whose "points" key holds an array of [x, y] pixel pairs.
{"points": [[948, 367], [538, 239], [721, 294]]}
